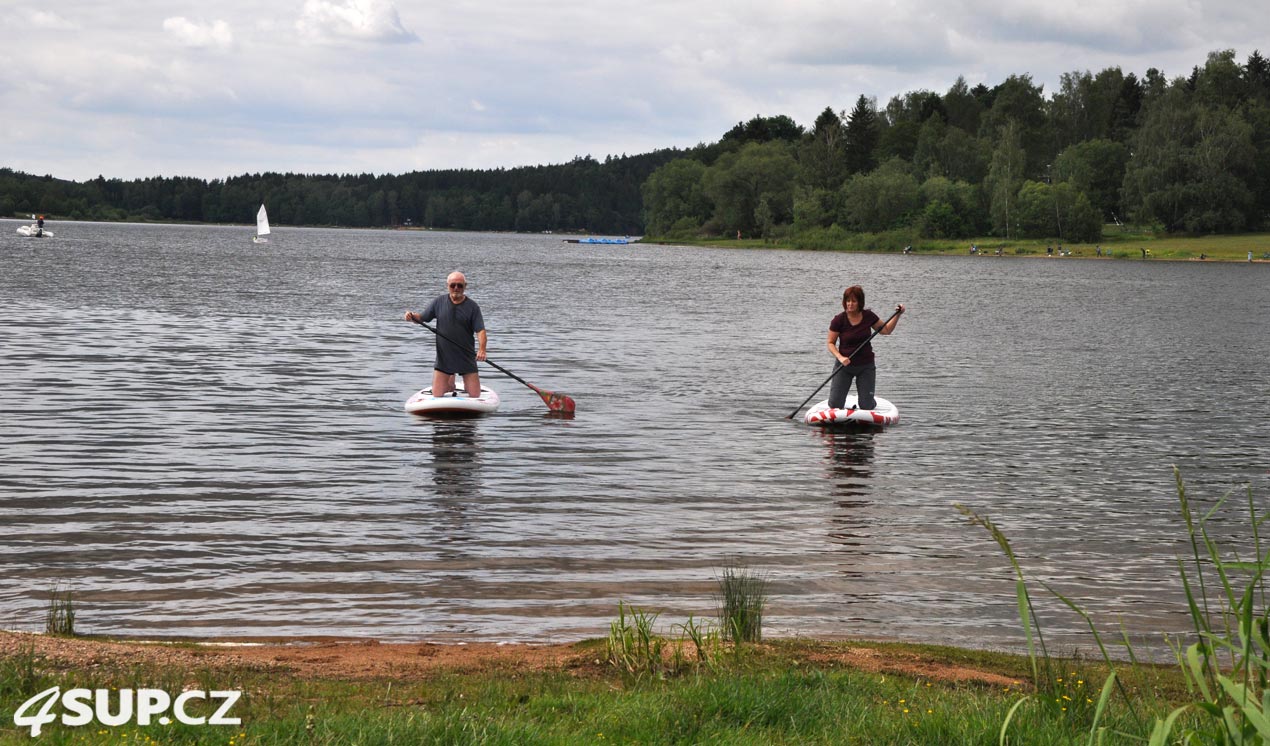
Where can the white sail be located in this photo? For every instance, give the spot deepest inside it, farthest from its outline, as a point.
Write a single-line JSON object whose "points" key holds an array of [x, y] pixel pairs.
{"points": [[262, 222], [262, 226]]}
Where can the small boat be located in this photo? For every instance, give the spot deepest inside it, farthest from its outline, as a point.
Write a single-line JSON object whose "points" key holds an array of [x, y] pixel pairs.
{"points": [[611, 241], [453, 404], [884, 413], [34, 231], [262, 226]]}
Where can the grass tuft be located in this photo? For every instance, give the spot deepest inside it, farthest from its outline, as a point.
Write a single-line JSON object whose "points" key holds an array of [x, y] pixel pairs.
{"points": [[60, 619], [743, 597]]}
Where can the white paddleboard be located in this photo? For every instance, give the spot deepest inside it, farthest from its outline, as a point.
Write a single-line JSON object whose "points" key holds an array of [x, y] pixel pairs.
{"points": [[885, 413], [453, 404]]}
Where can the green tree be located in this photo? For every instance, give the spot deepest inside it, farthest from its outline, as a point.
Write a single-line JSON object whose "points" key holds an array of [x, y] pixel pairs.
{"points": [[1018, 100], [1220, 190], [862, 136], [674, 193], [823, 155], [959, 196], [814, 208], [1005, 176], [940, 220], [738, 181], [1058, 210], [1192, 167], [1095, 168], [764, 129], [1257, 76], [885, 198], [962, 107], [1221, 82]]}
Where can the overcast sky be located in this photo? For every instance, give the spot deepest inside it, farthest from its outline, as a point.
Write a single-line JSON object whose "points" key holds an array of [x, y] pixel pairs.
{"points": [[137, 88]]}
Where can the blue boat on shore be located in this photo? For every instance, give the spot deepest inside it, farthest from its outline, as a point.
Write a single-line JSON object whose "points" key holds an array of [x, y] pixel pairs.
{"points": [[617, 241]]}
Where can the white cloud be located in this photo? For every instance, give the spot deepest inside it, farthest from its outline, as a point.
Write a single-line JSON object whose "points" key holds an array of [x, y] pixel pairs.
{"points": [[45, 19], [360, 20], [200, 35], [519, 82]]}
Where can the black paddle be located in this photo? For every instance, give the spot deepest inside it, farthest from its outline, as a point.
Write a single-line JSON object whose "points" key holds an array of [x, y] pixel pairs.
{"points": [[555, 402], [790, 416]]}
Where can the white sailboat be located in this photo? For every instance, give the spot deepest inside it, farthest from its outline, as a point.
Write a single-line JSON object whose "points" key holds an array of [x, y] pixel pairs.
{"points": [[262, 226]]}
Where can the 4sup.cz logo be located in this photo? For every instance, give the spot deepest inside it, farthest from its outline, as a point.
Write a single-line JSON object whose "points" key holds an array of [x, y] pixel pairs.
{"points": [[121, 707]]}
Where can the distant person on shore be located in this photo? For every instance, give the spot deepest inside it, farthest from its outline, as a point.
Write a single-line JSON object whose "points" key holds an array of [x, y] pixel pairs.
{"points": [[458, 318], [847, 331], [1250, 256], [1144, 251]]}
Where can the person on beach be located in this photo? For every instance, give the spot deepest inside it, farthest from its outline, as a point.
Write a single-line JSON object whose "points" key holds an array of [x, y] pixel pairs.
{"points": [[458, 317], [847, 331]]}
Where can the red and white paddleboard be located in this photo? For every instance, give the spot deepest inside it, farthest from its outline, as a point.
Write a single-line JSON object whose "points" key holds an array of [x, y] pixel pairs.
{"points": [[452, 404], [884, 413]]}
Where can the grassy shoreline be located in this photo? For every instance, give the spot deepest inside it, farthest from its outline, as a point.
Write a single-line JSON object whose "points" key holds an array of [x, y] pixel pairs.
{"points": [[1117, 243], [784, 691]]}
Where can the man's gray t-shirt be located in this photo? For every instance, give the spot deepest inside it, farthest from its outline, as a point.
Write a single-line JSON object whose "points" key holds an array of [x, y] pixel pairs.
{"points": [[458, 323]]}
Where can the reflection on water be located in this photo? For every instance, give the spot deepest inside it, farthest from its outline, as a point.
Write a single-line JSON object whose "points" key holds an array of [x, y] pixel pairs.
{"points": [[849, 465], [456, 458], [849, 469]]}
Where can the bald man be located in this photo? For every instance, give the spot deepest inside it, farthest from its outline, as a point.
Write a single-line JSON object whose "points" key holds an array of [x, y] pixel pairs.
{"points": [[458, 317]]}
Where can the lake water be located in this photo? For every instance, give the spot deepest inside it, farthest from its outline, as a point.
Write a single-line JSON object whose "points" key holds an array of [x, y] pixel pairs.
{"points": [[202, 436]]}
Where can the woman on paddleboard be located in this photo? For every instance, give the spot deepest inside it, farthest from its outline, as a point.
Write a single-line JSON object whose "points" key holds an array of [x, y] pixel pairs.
{"points": [[847, 331], [458, 318]]}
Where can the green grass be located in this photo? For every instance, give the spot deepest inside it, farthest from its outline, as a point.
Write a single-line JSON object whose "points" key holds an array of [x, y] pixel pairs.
{"points": [[1120, 242], [775, 694]]}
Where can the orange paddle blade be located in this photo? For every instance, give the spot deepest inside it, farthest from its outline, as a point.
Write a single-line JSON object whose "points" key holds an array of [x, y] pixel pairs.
{"points": [[556, 402]]}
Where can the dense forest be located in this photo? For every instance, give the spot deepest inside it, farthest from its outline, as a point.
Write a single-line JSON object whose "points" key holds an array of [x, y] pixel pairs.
{"points": [[582, 195], [1186, 155]]}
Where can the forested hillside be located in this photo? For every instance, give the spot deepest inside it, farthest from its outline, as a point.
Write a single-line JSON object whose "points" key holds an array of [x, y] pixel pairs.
{"points": [[582, 195], [1185, 155], [1189, 154]]}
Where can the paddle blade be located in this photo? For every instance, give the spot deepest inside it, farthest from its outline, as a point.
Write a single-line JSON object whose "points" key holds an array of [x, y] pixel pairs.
{"points": [[556, 402]]}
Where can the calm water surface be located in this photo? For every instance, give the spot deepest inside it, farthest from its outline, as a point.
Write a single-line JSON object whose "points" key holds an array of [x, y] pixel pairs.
{"points": [[201, 436]]}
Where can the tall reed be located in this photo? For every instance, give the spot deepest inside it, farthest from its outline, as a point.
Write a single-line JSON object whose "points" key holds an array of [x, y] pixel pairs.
{"points": [[60, 619], [632, 646], [1227, 668], [743, 596]]}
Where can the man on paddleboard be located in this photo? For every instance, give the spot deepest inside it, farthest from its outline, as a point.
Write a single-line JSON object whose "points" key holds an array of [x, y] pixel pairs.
{"points": [[458, 318]]}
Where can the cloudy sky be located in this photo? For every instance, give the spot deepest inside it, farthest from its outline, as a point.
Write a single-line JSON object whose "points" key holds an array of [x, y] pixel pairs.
{"points": [[137, 88]]}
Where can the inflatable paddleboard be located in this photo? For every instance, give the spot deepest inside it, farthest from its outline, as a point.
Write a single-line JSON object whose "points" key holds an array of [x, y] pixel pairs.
{"points": [[452, 404], [884, 413]]}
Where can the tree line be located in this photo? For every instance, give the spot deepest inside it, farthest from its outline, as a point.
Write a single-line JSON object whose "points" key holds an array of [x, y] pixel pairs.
{"points": [[581, 195], [1190, 154]]}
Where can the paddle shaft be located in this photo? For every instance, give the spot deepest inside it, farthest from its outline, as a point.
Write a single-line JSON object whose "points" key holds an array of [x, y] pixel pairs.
{"points": [[836, 370], [487, 360]]}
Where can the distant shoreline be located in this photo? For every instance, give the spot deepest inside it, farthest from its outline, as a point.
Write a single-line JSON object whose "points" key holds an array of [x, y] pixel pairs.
{"points": [[1203, 249]]}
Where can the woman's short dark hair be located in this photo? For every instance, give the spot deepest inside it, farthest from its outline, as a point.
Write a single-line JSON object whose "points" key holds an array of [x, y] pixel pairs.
{"points": [[855, 291]]}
